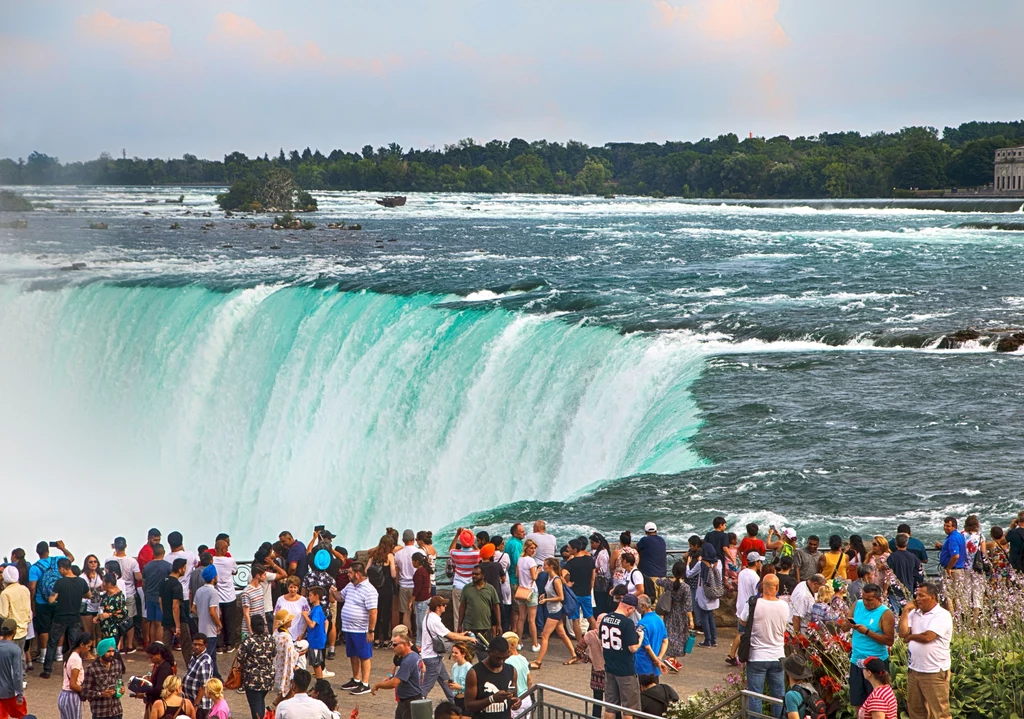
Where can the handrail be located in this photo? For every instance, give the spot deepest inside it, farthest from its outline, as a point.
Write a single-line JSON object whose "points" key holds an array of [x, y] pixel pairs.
{"points": [[738, 696], [541, 688]]}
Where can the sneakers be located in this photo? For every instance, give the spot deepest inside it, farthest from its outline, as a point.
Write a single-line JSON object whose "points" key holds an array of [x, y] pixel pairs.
{"points": [[535, 648], [330, 653], [360, 689], [131, 651], [328, 674], [44, 675], [231, 650], [705, 645], [350, 684]]}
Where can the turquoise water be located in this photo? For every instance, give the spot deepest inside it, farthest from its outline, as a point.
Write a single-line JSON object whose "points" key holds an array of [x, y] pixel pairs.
{"points": [[597, 363]]}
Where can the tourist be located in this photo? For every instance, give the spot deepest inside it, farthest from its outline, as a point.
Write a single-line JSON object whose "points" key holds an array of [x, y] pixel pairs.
{"points": [[12, 671], [447, 710], [719, 539], [69, 701], [874, 630], [621, 638], [679, 619], [42, 575], [358, 619], [546, 543], [878, 560], [300, 705], [178, 551], [653, 556], [200, 670], [953, 551], [881, 702], [974, 582], [602, 554], [626, 549], [524, 679], [731, 561], [421, 578], [806, 558], [504, 562], [316, 631], [594, 653], [113, 608], [914, 545], [514, 550], [156, 570], [832, 564], [220, 708], [286, 654], [294, 555], [927, 629], [405, 569], [174, 610], [131, 576], [491, 684], [802, 601], [94, 580], [206, 607], [552, 600], [526, 595], [145, 554], [432, 647], [320, 578], [172, 703], [102, 678], [751, 543], [1015, 540], [381, 573], [480, 612], [493, 573], [462, 657], [66, 598], [856, 554], [256, 661], [655, 698], [787, 581], [425, 543], [295, 604], [650, 659], [406, 678], [161, 667], [195, 579], [830, 605], [746, 587], [802, 695], [998, 552], [581, 571], [863, 577], [632, 578], [907, 571], [707, 573], [227, 567], [253, 598], [323, 692], [16, 604], [767, 632]]}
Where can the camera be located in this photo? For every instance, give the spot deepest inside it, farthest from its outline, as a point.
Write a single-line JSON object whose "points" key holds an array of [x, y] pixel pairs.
{"points": [[54, 544], [318, 528]]}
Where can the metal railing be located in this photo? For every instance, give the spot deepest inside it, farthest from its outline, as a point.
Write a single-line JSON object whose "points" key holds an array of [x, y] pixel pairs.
{"points": [[553, 703]]}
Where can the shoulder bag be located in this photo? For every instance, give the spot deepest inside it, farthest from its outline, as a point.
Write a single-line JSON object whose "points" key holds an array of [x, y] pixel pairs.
{"points": [[743, 654]]}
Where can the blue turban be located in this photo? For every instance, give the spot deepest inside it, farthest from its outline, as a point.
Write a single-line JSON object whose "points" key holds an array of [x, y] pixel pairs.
{"points": [[105, 646], [209, 574]]}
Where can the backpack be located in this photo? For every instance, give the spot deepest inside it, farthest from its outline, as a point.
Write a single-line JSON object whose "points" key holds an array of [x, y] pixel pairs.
{"points": [[713, 588], [744, 649], [664, 606], [811, 705], [375, 573], [50, 576], [649, 589]]}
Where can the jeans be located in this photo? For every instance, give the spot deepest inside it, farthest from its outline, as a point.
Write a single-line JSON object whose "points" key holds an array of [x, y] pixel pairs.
{"points": [[257, 702], [211, 649], [435, 671], [705, 618], [757, 672], [230, 617], [421, 614], [57, 631]]}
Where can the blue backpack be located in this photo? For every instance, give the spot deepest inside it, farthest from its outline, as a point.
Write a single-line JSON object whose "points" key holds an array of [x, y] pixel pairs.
{"points": [[50, 576]]}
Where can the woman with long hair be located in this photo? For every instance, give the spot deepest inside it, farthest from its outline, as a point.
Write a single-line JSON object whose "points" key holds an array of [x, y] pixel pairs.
{"points": [[625, 547], [425, 543], [382, 557], [678, 620], [704, 608], [113, 608], [93, 576], [527, 571], [881, 702], [603, 579], [878, 560], [172, 704], [256, 660], [856, 554], [554, 595], [163, 667], [69, 701]]}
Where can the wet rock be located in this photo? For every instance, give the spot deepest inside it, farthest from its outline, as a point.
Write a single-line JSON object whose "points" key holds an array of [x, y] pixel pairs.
{"points": [[958, 339], [1010, 343], [74, 267]]}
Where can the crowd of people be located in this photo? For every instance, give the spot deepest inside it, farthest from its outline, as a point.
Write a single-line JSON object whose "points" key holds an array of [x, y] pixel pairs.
{"points": [[628, 610]]}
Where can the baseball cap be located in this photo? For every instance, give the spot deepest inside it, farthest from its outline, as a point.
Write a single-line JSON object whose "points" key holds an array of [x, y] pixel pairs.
{"points": [[789, 533], [9, 626], [408, 535], [754, 557], [437, 601], [650, 527], [629, 599]]}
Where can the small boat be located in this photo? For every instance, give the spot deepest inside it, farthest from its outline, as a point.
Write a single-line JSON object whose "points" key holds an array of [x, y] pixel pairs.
{"points": [[393, 201]]}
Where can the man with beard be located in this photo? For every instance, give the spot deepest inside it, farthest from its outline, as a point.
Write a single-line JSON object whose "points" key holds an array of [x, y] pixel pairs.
{"points": [[100, 687]]}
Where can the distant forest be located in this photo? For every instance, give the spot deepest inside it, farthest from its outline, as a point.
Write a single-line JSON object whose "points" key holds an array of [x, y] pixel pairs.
{"points": [[845, 164]]}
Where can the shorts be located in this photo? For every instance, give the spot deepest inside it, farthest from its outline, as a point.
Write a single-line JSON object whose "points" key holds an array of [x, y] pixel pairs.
{"points": [[43, 619], [741, 628], [531, 602], [357, 646], [315, 658], [153, 613], [860, 688], [586, 606], [557, 616], [404, 599], [623, 691], [130, 606]]}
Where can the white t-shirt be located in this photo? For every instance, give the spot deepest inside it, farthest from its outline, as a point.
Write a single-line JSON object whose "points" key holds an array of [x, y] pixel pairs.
{"points": [[768, 633], [546, 546], [190, 559], [129, 568], [226, 567], [800, 604], [633, 580], [432, 627], [403, 562], [524, 573], [931, 657], [746, 587], [302, 706], [296, 608], [96, 591]]}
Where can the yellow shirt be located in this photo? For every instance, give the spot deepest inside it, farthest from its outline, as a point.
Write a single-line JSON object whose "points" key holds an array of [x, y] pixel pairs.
{"points": [[16, 604], [830, 565]]}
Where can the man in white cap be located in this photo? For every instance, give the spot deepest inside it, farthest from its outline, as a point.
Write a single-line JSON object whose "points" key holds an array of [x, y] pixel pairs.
{"points": [[746, 587], [653, 556]]}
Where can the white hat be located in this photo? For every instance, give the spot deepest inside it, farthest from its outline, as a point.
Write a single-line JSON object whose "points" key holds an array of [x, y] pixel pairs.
{"points": [[754, 557], [301, 645], [789, 533], [650, 527]]}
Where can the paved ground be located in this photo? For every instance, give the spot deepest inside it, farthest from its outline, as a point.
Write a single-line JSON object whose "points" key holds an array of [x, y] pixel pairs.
{"points": [[704, 668]]}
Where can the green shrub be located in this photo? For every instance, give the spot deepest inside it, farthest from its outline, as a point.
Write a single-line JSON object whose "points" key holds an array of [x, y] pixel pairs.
{"points": [[13, 202]]}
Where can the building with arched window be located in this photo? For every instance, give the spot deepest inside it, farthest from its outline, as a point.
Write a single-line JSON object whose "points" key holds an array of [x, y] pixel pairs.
{"points": [[1009, 176]]}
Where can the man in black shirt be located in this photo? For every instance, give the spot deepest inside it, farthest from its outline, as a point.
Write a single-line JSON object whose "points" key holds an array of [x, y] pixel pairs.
{"points": [[653, 557], [907, 569], [174, 610], [718, 539], [620, 640], [68, 593], [784, 571], [491, 684], [582, 571]]}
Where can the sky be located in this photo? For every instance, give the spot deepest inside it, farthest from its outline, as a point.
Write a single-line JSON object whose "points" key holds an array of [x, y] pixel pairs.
{"points": [[209, 77]]}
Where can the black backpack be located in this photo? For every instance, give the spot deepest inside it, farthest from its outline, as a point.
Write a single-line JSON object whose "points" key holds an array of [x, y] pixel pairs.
{"points": [[375, 573], [811, 704]]}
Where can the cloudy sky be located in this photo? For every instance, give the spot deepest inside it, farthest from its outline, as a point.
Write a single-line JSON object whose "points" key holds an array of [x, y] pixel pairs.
{"points": [[79, 77]]}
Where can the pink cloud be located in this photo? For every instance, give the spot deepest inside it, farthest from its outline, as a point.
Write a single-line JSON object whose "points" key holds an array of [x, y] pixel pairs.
{"points": [[146, 39], [727, 20], [228, 25]]}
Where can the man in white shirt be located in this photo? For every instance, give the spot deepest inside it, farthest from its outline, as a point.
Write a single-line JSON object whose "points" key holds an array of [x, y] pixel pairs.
{"points": [[433, 663], [927, 629], [131, 575], [358, 618], [546, 544], [229, 612], [746, 587], [403, 562], [301, 705], [767, 642], [178, 551], [802, 601]]}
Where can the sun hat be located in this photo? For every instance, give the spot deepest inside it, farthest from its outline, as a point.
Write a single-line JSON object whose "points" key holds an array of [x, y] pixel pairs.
{"points": [[796, 666], [322, 559], [282, 617], [789, 533]]}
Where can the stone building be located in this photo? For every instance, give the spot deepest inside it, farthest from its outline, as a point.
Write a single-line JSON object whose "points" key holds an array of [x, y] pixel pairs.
{"points": [[1009, 175]]}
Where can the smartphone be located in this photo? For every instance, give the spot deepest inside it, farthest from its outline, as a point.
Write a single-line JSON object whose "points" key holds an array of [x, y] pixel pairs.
{"points": [[318, 528], [54, 544]]}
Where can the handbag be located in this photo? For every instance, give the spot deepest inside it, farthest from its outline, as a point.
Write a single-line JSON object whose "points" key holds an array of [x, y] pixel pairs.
{"points": [[601, 584], [523, 594], [664, 606], [234, 677], [436, 643], [743, 654]]}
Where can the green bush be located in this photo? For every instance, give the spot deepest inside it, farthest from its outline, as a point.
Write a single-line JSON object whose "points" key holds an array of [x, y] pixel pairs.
{"points": [[13, 202]]}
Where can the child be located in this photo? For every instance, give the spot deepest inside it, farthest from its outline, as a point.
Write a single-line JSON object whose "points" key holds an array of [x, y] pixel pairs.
{"points": [[316, 632], [732, 563], [420, 591], [215, 693], [301, 649], [463, 657]]}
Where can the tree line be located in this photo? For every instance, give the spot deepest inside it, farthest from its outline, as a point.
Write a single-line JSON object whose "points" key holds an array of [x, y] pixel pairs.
{"points": [[844, 164]]}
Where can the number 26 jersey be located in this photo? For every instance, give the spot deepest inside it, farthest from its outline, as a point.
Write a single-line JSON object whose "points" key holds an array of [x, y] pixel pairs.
{"points": [[618, 633]]}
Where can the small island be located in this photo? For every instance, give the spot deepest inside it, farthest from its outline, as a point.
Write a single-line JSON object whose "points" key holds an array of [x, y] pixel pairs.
{"points": [[13, 202], [272, 190]]}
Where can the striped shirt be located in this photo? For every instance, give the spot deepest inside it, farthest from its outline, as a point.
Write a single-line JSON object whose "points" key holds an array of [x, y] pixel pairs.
{"points": [[253, 598], [465, 560], [360, 599], [881, 700]]}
